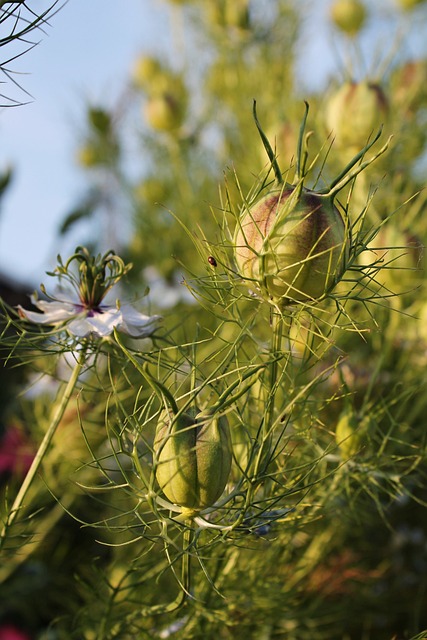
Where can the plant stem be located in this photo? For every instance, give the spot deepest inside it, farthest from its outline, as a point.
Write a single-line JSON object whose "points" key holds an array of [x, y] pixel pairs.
{"points": [[184, 591], [276, 344], [32, 472], [265, 433]]}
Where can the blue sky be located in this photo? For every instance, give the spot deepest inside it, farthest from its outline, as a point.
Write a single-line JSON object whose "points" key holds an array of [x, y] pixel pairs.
{"points": [[84, 58]]}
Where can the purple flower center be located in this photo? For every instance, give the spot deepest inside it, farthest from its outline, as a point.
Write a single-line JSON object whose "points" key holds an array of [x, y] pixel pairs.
{"points": [[90, 312], [94, 312]]}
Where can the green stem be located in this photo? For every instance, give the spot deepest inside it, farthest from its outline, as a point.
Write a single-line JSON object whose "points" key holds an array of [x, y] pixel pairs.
{"points": [[159, 389], [351, 170], [276, 344], [184, 591], [264, 435], [32, 472]]}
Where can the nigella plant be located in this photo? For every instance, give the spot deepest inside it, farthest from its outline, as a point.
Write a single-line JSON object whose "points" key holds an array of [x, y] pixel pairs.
{"points": [[210, 445], [209, 459]]}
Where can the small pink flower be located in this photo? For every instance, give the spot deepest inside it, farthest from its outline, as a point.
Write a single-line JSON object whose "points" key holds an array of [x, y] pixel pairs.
{"points": [[16, 456], [10, 632]]}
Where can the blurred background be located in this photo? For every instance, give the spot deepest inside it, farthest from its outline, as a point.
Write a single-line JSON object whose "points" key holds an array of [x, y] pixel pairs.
{"points": [[84, 56]]}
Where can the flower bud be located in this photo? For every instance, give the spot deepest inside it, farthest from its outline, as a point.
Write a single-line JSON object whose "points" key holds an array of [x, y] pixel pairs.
{"points": [[292, 247], [193, 456], [348, 15], [355, 112]]}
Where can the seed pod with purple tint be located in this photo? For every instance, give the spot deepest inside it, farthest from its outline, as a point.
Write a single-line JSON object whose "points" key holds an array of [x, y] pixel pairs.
{"points": [[292, 246]]}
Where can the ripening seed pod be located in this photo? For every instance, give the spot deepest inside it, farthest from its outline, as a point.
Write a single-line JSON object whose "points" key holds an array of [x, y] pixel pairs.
{"points": [[409, 86], [355, 112], [348, 15], [292, 247], [193, 458]]}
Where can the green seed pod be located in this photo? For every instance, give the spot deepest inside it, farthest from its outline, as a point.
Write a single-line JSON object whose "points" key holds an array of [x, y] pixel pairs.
{"points": [[355, 112], [348, 15], [193, 456], [293, 248], [236, 14], [100, 120]]}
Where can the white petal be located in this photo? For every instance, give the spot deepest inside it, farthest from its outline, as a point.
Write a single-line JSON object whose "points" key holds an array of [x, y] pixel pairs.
{"points": [[137, 324], [103, 323], [80, 327], [53, 312]]}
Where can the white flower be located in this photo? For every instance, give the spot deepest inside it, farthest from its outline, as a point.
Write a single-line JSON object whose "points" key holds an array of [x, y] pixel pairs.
{"points": [[82, 320]]}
